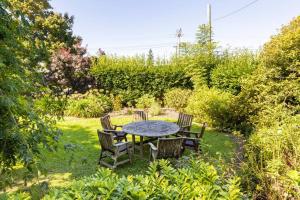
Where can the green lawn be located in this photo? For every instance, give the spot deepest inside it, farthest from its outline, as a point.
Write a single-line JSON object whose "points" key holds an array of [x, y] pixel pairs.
{"points": [[81, 156]]}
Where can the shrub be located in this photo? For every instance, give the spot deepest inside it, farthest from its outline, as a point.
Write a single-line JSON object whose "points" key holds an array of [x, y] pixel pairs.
{"points": [[198, 181], [212, 106], [272, 167], [177, 98], [155, 109], [91, 104], [145, 101], [117, 103], [228, 74]]}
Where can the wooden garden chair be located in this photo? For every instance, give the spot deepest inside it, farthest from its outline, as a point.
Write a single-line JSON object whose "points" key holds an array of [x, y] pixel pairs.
{"points": [[109, 127], [185, 121], [140, 115], [166, 148], [113, 150], [192, 139]]}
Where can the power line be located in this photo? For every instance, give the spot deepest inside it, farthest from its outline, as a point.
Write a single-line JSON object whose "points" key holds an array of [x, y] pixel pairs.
{"points": [[236, 11]]}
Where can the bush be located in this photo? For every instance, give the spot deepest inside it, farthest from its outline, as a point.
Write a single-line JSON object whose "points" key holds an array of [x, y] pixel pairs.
{"points": [[212, 106], [155, 109], [228, 74], [177, 98], [198, 181], [117, 103], [132, 79], [272, 167], [91, 104], [145, 101]]}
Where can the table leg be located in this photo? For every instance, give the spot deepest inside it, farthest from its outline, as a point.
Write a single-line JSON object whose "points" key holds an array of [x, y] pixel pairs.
{"points": [[141, 145], [133, 142]]}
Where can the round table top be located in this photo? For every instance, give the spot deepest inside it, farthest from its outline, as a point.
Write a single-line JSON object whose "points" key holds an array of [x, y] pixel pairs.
{"points": [[151, 128]]}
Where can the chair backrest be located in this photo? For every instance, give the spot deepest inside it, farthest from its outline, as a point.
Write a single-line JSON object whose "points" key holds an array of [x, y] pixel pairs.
{"points": [[105, 140], [140, 115], [184, 120], [106, 123], [169, 147]]}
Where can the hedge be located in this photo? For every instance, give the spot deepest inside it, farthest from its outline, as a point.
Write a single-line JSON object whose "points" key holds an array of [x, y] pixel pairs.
{"points": [[133, 82]]}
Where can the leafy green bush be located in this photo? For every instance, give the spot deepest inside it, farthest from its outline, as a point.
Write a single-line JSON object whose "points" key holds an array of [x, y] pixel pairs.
{"points": [[90, 104], [145, 101], [177, 98], [198, 181], [155, 109], [131, 79], [270, 101], [234, 67], [212, 106], [117, 103], [272, 167]]}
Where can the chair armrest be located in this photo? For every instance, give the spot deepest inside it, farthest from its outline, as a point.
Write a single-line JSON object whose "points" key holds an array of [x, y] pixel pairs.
{"points": [[118, 126], [112, 131], [152, 146]]}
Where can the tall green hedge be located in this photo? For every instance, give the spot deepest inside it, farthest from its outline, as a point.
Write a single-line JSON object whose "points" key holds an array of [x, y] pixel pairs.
{"points": [[131, 82]]}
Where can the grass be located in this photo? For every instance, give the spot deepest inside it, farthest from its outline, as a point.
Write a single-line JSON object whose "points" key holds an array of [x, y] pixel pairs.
{"points": [[78, 150]]}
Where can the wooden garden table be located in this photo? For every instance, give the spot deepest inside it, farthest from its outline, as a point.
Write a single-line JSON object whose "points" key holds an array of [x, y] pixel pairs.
{"points": [[151, 129]]}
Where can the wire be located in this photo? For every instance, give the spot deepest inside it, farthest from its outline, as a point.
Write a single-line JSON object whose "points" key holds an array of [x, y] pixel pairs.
{"points": [[236, 11]]}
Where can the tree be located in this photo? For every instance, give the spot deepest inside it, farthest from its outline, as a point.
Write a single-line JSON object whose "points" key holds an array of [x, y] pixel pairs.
{"points": [[203, 35], [69, 69], [150, 58], [27, 38]]}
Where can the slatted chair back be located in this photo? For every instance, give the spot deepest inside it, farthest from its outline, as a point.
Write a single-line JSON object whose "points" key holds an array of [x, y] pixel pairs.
{"points": [[105, 141], [140, 115], [169, 147], [185, 120], [106, 123]]}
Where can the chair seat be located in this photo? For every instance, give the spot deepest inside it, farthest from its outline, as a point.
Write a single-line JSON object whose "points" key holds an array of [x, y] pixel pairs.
{"points": [[190, 142], [122, 146], [120, 134]]}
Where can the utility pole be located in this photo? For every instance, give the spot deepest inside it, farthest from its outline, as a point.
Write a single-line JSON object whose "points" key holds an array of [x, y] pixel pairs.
{"points": [[209, 22], [179, 34]]}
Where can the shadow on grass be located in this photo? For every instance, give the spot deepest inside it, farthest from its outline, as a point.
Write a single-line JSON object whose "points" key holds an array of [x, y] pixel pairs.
{"points": [[78, 151]]}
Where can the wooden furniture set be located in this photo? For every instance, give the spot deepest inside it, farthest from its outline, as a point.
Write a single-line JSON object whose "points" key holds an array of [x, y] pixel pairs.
{"points": [[147, 130]]}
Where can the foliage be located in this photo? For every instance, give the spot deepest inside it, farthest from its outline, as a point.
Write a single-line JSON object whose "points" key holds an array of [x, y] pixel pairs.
{"points": [[90, 104], [24, 129], [117, 103], [177, 98], [162, 181], [69, 69], [130, 78], [155, 109], [199, 58], [272, 92], [269, 101], [150, 58], [49, 31], [272, 167], [229, 73], [212, 106], [145, 101]]}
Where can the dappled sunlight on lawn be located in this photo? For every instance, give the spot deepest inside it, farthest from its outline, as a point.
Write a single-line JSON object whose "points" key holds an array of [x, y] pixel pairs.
{"points": [[78, 151]]}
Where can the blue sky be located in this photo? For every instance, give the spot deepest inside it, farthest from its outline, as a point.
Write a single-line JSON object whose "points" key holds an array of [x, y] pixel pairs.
{"points": [[128, 27]]}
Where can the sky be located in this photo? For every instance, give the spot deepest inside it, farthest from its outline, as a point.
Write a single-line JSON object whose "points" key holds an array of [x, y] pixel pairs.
{"points": [[129, 27]]}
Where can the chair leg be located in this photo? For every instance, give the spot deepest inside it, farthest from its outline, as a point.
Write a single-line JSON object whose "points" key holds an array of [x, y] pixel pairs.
{"points": [[100, 157], [115, 163], [129, 155]]}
